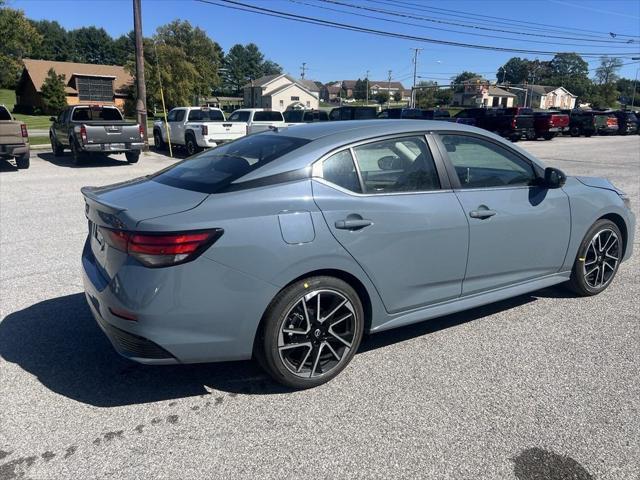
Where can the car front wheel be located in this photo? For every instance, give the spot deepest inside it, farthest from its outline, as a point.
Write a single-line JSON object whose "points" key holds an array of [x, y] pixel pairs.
{"points": [[311, 331], [598, 259]]}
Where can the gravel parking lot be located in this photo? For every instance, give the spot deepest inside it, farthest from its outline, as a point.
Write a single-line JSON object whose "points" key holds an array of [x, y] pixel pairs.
{"points": [[543, 386]]}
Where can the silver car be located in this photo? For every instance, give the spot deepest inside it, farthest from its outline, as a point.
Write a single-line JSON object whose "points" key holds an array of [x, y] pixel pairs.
{"points": [[287, 246]]}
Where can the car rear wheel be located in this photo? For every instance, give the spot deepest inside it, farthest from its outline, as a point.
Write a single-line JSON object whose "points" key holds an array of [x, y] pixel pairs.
{"points": [[574, 131], [548, 136], [58, 150], [76, 154], [132, 157], [157, 141], [311, 331], [598, 259], [22, 162], [192, 146]]}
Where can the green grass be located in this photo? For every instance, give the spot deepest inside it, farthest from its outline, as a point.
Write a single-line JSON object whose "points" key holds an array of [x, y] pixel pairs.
{"points": [[40, 122], [38, 140]]}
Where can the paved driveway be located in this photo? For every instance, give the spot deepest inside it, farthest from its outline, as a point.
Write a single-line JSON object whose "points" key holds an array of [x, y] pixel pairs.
{"points": [[537, 387]]}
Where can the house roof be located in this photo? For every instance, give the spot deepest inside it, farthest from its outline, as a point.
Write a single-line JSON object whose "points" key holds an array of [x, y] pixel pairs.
{"points": [[334, 89], [262, 81], [289, 85], [545, 90], [498, 92], [379, 83], [38, 70], [309, 84], [474, 80]]}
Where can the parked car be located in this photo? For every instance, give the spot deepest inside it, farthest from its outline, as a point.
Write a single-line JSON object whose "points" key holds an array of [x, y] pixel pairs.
{"points": [[549, 124], [410, 113], [465, 116], [608, 124], [436, 114], [583, 122], [93, 129], [196, 128], [305, 116], [353, 113], [14, 139], [513, 123], [288, 245], [258, 119], [627, 122]]}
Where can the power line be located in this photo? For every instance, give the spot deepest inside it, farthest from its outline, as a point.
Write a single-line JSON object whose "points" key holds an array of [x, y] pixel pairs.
{"points": [[475, 34], [529, 25], [234, 5], [468, 25]]}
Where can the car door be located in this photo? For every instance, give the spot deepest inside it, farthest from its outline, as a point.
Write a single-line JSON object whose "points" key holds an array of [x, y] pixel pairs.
{"points": [[389, 206], [61, 126], [518, 230], [176, 126]]}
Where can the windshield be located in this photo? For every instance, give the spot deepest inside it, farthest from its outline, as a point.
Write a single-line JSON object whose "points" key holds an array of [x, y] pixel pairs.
{"points": [[206, 116], [215, 169], [81, 114]]}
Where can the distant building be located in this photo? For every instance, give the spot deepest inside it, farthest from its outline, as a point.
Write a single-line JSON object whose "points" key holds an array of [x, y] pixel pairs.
{"points": [[375, 87], [543, 97], [478, 92], [84, 83], [281, 92]]}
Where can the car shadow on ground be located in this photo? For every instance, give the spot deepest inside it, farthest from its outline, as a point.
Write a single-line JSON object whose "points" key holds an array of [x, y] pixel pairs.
{"points": [[88, 162], [58, 341]]}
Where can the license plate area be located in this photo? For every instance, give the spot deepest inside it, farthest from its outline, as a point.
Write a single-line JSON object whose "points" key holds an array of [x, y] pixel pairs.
{"points": [[116, 146], [98, 243]]}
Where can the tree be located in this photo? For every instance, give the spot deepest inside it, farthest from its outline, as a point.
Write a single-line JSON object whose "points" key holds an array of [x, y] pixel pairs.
{"points": [[397, 96], [55, 43], [607, 72], [516, 70], [426, 96], [360, 89], [569, 70], [462, 77], [53, 94], [19, 39], [271, 68], [382, 97], [124, 48], [92, 45], [244, 63], [626, 88]]}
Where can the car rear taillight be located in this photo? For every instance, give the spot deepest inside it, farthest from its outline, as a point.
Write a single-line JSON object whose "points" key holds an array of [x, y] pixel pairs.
{"points": [[162, 249], [205, 130], [141, 131], [83, 133], [612, 122], [513, 122], [23, 128]]}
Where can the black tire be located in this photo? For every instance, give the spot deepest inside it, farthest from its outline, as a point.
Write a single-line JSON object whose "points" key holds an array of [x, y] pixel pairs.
{"points": [[132, 157], [574, 131], [77, 156], [158, 142], [548, 136], [591, 255], [58, 150], [191, 145], [22, 162], [316, 363], [531, 136]]}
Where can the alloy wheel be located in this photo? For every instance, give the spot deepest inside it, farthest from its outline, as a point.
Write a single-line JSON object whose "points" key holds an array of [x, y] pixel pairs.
{"points": [[601, 259], [317, 333]]}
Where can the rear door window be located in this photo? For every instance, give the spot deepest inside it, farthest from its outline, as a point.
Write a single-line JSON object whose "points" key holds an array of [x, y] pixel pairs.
{"points": [[340, 170], [268, 117], [213, 170], [206, 116]]}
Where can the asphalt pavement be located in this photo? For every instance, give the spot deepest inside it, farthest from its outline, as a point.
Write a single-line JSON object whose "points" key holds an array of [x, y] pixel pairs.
{"points": [[542, 386]]}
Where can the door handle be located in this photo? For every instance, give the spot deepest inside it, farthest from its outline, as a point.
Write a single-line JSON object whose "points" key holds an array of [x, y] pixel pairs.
{"points": [[482, 213], [353, 224]]}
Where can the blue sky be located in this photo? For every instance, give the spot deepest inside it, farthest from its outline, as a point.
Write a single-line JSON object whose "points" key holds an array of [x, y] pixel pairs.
{"points": [[336, 54]]}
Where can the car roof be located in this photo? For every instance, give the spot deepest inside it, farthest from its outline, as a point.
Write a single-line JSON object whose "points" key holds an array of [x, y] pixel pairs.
{"points": [[324, 137]]}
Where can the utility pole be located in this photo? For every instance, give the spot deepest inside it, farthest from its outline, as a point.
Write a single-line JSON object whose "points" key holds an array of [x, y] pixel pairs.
{"points": [[389, 88], [367, 79], [303, 70], [415, 68], [141, 102]]}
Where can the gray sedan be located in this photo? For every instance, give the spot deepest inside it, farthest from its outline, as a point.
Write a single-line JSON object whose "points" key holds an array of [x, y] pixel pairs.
{"points": [[287, 246]]}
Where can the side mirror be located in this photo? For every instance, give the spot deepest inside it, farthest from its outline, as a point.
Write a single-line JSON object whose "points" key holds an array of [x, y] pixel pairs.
{"points": [[386, 163], [53, 119], [554, 177]]}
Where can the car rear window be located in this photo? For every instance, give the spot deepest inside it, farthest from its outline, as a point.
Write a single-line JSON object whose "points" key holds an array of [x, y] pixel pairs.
{"points": [[293, 115], [206, 116], [4, 114], [364, 113], [81, 114], [267, 117], [213, 170]]}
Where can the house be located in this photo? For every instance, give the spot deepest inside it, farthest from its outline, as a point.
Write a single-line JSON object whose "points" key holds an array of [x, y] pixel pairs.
{"points": [[375, 87], [543, 97], [281, 92], [84, 82], [478, 92]]}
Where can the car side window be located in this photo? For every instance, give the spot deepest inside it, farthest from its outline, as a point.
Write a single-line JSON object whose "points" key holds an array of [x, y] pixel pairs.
{"points": [[483, 164], [401, 164], [172, 116], [340, 170], [179, 116]]}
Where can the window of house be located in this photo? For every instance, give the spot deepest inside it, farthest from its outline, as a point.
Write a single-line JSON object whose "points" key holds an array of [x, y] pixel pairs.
{"points": [[295, 99], [281, 103], [96, 89], [401, 164], [308, 103], [482, 164]]}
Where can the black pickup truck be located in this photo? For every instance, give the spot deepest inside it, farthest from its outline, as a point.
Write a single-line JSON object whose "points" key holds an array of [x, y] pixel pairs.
{"points": [[513, 123], [90, 129]]}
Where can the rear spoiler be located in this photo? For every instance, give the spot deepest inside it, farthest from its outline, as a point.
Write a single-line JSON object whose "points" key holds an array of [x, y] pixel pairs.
{"points": [[102, 213]]}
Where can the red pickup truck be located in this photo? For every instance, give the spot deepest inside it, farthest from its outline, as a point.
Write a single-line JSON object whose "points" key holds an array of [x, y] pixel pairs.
{"points": [[550, 124]]}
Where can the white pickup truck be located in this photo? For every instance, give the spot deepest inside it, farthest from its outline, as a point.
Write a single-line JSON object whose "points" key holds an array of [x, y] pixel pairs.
{"points": [[196, 128], [258, 119]]}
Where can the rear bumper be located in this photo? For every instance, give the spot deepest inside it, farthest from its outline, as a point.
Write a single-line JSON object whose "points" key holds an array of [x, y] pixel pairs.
{"points": [[112, 147], [200, 311], [14, 150]]}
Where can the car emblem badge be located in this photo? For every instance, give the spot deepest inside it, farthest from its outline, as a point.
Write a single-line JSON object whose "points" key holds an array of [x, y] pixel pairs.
{"points": [[317, 333]]}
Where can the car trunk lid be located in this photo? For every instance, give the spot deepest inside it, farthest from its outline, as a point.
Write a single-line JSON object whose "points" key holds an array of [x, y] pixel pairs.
{"points": [[11, 133]]}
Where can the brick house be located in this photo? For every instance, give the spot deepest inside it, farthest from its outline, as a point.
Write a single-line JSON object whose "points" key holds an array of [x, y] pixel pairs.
{"points": [[84, 82]]}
